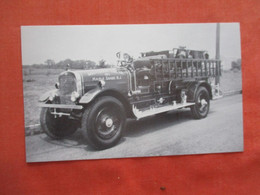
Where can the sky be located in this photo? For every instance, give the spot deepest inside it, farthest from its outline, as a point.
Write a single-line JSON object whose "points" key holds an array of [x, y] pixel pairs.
{"points": [[96, 42]]}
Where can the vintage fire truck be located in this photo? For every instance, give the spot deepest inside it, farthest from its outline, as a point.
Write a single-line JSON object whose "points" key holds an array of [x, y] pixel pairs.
{"points": [[99, 101]]}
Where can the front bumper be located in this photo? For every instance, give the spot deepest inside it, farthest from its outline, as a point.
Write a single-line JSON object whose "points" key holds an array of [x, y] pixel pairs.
{"points": [[62, 106]]}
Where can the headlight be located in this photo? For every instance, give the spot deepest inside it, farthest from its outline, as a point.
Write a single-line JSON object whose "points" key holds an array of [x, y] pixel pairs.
{"points": [[74, 96], [57, 85]]}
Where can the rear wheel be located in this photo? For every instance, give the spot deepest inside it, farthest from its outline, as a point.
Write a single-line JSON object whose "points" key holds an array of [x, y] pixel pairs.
{"points": [[58, 127], [202, 103], [103, 122]]}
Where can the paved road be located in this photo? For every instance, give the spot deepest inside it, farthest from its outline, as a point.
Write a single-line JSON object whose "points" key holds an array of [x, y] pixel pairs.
{"points": [[173, 133]]}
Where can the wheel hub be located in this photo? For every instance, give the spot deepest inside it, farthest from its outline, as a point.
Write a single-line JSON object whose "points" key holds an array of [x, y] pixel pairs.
{"points": [[109, 122], [203, 103]]}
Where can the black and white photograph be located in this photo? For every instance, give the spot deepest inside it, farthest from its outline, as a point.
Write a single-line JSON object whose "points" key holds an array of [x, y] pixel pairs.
{"points": [[137, 90]]}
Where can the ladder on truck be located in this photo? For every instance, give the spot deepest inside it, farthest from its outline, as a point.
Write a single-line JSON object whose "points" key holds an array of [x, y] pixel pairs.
{"points": [[188, 69]]}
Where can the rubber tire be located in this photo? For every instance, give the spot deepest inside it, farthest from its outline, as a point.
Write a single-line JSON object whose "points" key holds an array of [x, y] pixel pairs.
{"points": [[195, 108], [88, 123], [61, 128]]}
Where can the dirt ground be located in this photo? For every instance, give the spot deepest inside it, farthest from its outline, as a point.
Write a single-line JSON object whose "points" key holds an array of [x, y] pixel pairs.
{"points": [[174, 133], [37, 82]]}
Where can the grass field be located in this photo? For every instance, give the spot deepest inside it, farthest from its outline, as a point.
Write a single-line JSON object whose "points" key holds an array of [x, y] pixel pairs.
{"points": [[37, 81], [230, 81], [34, 85]]}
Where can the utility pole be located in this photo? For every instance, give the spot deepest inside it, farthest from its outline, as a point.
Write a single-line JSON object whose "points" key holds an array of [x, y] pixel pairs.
{"points": [[218, 42], [217, 54]]}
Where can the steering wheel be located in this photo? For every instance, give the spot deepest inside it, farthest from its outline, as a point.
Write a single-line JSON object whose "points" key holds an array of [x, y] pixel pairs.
{"points": [[123, 63]]}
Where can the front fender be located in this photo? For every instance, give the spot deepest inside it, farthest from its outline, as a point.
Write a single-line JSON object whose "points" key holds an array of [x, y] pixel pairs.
{"points": [[89, 96], [45, 96]]}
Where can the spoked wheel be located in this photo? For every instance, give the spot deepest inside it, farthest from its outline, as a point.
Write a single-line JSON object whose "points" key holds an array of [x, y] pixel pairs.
{"points": [[103, 122], [57, 127], [202, 103], [107, 122]]}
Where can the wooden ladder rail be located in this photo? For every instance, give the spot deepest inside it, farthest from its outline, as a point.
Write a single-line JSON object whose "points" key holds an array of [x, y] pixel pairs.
{"points": [[192, 71], [187, 64], [209, 68]]}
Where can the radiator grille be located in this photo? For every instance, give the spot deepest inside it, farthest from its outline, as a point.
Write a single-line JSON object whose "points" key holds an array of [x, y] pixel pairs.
{"points": [[67, 86]]}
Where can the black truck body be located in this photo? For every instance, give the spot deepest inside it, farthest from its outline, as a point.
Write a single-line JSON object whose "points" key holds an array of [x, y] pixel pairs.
{"points": [[99, 101]]}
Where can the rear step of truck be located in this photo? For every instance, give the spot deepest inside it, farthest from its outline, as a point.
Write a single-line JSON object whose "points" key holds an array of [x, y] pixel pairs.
{"points": [[216, 92], [141, 113]]}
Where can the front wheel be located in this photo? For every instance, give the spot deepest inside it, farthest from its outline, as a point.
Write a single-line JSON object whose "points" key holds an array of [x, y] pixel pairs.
{"points": [[103, 122], [202, 103], [57, 127]]}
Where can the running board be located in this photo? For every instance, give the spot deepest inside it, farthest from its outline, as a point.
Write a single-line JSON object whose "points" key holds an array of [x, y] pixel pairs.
{"points": [[153, 110]]}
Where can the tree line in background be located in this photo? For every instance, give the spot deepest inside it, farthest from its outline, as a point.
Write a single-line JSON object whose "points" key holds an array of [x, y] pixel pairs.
{"points": [[88, 64], [71, 64]]}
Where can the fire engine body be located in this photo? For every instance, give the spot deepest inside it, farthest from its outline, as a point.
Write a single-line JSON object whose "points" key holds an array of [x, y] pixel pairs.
{"points": [[100, 100]]}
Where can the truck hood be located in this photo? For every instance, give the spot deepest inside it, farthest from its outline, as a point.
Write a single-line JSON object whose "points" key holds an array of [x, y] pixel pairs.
{"points": [[106, 74], [114, 79]]}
